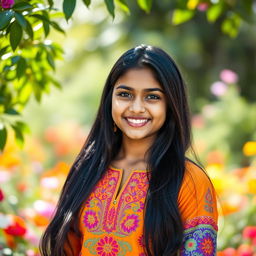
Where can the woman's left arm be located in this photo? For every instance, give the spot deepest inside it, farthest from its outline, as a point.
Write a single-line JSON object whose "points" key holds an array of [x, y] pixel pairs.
{"points": [[198, 208]]}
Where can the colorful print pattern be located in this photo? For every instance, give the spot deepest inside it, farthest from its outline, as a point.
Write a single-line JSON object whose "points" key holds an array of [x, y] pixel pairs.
{"points": [[200, 237], [101, 216]]}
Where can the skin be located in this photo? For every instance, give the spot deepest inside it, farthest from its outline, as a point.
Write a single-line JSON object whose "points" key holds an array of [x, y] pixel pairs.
{"points": [[137, 95]]}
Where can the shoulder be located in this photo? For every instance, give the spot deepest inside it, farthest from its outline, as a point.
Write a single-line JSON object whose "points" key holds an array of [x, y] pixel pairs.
{"points": [[195, 175]]}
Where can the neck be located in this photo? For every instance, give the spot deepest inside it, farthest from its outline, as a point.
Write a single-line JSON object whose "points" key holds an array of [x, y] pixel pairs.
{"points": [[135, 150]]}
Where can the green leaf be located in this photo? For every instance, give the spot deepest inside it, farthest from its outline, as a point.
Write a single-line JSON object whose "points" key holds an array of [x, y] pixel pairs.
{"points": [[5, 18], [68, 8], [50, 60], [181, 16], [46, 28], [145, 5], [3, 50], [87, 2], [21, 67], [22, 126], [15, 59], [230, 26], [15, 35], [19, 137], [22, 6], [111, 7], [214, 12], [29, 30], [3, 136], [12, 111], [56, 26], [50, 2], [123, 5], [21, 20], [41, 17]]}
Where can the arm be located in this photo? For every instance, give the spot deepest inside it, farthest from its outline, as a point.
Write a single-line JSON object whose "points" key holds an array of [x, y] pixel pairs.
{"points": [[198, 208]]}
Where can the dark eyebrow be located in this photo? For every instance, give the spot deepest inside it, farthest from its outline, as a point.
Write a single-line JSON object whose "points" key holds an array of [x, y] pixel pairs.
{"points": [[146, 90]]}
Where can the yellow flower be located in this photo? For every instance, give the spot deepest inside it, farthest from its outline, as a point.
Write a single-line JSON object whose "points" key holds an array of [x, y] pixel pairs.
{"points": [[192, 4], [249, 148]]}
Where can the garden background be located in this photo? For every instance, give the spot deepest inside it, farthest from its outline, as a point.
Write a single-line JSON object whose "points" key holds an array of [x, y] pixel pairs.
{"points": [[55, 56]]}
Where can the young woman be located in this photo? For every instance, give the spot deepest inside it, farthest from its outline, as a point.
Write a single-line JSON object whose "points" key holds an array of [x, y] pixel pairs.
{"points": [[132, 191]]}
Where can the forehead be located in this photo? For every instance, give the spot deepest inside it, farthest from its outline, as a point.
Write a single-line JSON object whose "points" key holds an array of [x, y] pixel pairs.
{"points": [[138, 78]]}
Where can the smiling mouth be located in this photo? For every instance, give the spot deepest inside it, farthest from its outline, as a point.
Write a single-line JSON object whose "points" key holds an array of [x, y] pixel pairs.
{"points": [[137, 122]]}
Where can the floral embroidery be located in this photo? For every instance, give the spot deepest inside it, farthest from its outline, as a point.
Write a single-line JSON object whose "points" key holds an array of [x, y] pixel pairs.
{"points": [[199, 237], [130, 223], [122, 219], [90, 219], [107, 246]]}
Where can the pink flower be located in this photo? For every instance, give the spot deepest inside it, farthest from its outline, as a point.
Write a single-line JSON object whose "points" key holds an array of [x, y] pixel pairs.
{"points": [[245, 250], [1, 195], [228, 76], [6, 4], [90, 219], [130, 223], [107, 246], [202, 7], [229, 252], [249, 232], [218, 88], [44, 208]]}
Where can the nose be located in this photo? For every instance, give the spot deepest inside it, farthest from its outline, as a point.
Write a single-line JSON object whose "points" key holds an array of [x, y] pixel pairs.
{"points": [[137, 106]]}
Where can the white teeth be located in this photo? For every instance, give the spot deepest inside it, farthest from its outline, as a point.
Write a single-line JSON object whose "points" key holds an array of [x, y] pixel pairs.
{"points": [[137, 121]]}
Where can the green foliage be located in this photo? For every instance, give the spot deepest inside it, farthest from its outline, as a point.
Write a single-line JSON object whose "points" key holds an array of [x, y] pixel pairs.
{"points": [[26, 62]]}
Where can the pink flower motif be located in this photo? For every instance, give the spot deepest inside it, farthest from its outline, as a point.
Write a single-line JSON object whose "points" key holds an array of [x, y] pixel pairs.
{"points": [[130, 223], [6, 4], [107, 246], [218, 88], [90, 219], [228, 76], [249, 232]]}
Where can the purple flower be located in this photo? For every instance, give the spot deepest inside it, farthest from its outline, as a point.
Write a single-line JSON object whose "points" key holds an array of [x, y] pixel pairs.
{"points": [[218, 88], [130, 223], [6, 4], [228, 76]]}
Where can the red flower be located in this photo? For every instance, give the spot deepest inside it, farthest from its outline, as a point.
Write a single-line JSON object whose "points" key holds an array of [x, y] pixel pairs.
{"points": [[249, 232], [17, 228], [6, 4], [1, 195]]}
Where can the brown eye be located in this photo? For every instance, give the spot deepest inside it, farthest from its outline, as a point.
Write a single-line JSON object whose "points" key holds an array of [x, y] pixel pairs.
{"points": [[153, 97], [124, 95]]}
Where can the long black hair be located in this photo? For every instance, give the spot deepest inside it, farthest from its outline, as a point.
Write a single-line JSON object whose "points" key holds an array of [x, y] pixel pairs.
{"points": [[163, 230]]}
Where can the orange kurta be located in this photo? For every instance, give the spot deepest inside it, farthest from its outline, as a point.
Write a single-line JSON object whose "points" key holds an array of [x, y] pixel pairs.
{"points": [[112, 225]]}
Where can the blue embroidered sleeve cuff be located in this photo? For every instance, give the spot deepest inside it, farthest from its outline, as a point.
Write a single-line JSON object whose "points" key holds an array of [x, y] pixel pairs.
{"points": [[200, 240]]}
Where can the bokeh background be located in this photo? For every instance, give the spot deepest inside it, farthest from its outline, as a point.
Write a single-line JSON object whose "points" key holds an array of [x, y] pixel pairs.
{"points": [[219, 69]]}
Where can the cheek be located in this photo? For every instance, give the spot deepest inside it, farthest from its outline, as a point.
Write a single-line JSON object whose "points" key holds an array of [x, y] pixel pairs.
{"points": [[117, 108]]}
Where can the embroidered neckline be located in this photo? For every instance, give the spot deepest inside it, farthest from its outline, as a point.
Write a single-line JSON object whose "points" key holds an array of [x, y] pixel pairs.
{"points": [[122, 170]]}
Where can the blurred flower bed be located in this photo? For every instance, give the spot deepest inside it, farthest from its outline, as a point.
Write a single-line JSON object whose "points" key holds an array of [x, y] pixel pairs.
{"points": [[224, 138]]}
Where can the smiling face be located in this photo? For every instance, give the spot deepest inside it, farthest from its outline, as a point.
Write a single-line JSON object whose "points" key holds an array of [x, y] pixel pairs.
{"points": [[138, 104]]}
